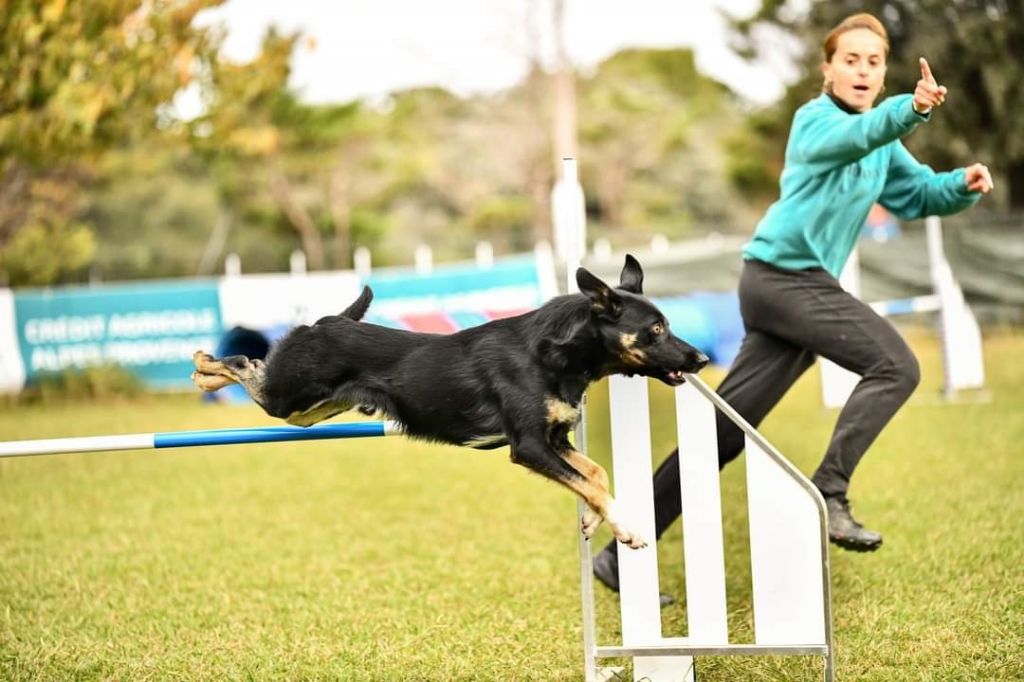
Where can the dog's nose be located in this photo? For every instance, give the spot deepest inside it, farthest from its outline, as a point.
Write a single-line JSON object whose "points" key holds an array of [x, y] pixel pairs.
{"points": [[701, 360]]}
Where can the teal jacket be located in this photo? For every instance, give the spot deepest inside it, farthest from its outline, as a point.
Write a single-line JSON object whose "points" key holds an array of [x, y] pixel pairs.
{"points": [[838, 164]]}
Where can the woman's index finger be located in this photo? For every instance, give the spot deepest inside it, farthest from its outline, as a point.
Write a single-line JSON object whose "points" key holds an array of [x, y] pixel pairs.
{"points": [[926, 71]]}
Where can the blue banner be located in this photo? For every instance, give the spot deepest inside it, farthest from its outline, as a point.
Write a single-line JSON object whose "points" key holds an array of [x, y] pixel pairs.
{"points": [[151, 329]]}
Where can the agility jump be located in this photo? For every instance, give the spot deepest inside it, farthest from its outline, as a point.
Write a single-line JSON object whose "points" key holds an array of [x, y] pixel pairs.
{"points": [[789, 550], [789, 545]]}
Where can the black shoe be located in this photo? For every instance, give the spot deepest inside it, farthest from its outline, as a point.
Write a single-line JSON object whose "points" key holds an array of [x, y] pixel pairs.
{"points": [[843, 529], [606, 570]]}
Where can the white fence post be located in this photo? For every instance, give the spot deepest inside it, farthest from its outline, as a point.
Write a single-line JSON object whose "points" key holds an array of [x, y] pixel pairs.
{"points": [[424, 259], [962, 358], [232, 265], [484, 255], [363, 262], [297, 262], [639, 603], [567, 202], [788, 543], [702, 517]]}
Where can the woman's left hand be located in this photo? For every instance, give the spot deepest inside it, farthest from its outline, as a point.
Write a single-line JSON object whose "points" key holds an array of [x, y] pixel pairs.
{"points": [[978, 178]]}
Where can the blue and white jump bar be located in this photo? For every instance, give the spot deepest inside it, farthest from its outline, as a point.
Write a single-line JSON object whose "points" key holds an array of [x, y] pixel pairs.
{"points": [[902, 306], [192, 439]]}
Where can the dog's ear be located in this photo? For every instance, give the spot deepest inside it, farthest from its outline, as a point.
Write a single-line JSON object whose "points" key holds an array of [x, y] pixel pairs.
{"points": [[603, 299], [359, 306], [632, 277]]}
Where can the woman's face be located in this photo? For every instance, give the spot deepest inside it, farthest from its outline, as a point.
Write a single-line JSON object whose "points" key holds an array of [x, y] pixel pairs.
{"points": [[857, 69]]}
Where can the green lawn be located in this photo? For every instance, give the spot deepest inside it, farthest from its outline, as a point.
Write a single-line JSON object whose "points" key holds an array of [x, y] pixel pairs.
{"points": [[394, 560]]}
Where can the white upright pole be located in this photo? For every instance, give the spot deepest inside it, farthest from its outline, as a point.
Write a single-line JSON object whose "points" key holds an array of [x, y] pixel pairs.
{"points": [[631, 455], [297, 262], [571, 222], [484, 255], [567, 205], [424, 258], [232, 265], [962, 358], [567, 222], [363, 262]]}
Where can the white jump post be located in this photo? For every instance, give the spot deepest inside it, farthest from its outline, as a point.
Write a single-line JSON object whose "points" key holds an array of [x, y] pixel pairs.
{"points": [[962, 359], [788, 531], [570, 223], [789, 558]]}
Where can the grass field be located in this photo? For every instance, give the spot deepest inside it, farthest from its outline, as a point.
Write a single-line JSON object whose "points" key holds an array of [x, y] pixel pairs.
{"points": [[394, 560]]}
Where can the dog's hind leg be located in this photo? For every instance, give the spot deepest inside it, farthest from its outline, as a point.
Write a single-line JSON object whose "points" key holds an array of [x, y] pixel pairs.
{"points": [[325, 409], [212, 373], [211, 382]]}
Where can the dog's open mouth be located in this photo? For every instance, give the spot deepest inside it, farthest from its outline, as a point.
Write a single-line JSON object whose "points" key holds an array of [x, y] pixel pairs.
{"points": [[675, 377]]}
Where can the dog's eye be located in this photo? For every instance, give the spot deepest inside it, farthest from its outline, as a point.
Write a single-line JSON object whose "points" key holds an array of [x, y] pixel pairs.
{"points": [[658, 329]]}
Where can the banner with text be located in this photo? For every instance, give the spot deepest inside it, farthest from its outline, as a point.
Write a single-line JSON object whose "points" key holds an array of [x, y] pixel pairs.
{"points": [[151, 329]]}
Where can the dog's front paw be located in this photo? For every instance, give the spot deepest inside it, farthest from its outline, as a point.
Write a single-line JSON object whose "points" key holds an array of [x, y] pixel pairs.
{"points": [[628, 537], [620, 531], [589, 522]]}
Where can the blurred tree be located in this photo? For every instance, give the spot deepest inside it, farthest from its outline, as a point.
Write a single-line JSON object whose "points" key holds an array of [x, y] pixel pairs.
{"points": [[975, 48], [48, 240], [328, 168], [433, 175], [351, 179], [650, 126], [151, 206], [263, 172], [756, 146], [241, 134], [77, 79]]}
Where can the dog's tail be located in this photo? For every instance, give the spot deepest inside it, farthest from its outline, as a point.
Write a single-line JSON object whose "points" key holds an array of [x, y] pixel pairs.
{"points": [[359, 306]]}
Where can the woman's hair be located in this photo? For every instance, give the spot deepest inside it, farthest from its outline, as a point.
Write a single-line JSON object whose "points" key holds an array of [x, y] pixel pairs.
{"points": [[850, 23]]}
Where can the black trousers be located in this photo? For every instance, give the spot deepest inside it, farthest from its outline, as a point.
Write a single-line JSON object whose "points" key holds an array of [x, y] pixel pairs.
{"points": [[790, 317]]}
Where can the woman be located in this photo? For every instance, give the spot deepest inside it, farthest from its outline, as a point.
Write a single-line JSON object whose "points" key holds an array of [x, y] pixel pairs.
{"points": [[843, 155]]}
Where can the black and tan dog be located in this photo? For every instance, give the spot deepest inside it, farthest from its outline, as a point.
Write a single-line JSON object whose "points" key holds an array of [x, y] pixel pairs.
{"points": [[517, 381]]}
